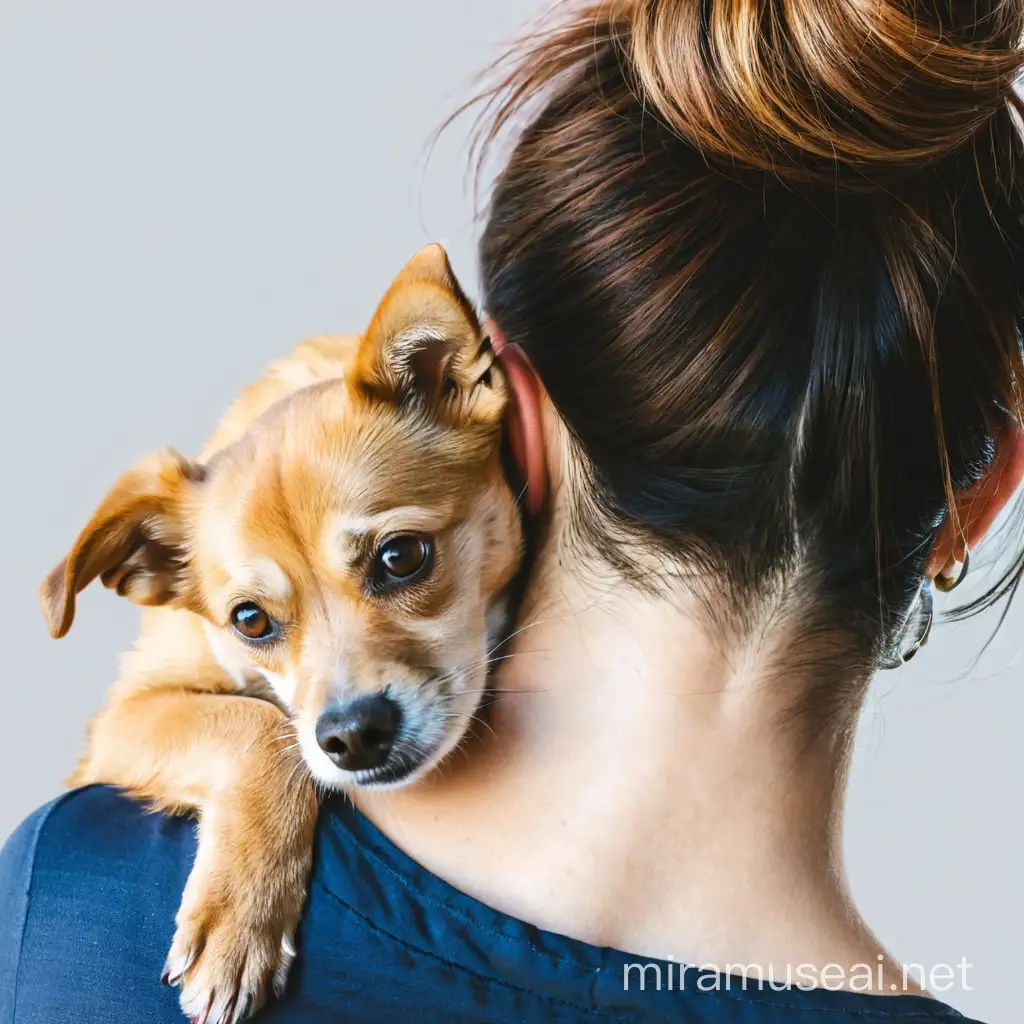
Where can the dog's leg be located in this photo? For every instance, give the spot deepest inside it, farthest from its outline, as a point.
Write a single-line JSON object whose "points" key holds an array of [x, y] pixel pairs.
{"points": [[229, 758]]}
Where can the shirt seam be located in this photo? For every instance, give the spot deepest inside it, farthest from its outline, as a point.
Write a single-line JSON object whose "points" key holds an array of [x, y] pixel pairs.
{"points": [[463, 918], [589, 1011], [941, 1013]]}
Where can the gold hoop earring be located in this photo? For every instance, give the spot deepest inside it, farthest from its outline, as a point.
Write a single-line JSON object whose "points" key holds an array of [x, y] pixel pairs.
{"points": [[922, 614], [946, 583]]}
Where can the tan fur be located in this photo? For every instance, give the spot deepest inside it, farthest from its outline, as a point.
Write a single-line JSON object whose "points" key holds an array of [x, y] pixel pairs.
{"points": [[348, 441]]}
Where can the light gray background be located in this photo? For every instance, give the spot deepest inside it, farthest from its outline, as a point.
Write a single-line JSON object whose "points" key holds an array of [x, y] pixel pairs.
{"points": [[187, 189]]}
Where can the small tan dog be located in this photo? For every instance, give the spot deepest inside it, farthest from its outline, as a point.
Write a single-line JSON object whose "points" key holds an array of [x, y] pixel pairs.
{"points": [[342, 549]]}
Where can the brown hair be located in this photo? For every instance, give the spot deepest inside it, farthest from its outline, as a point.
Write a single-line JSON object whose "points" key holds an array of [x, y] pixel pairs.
{"points": [[766, 256]]}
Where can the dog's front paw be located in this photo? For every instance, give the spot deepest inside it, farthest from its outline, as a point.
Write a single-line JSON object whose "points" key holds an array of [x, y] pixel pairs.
{"points": [[227, 958], [235, 938]]}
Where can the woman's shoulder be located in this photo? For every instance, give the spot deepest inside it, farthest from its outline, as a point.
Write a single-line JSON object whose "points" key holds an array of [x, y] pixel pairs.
{"points": [[94, 831], [100, 820], [89, 885]]}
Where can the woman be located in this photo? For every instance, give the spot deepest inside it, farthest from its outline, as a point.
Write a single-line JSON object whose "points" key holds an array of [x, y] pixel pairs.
{"points": [[755, 275]]}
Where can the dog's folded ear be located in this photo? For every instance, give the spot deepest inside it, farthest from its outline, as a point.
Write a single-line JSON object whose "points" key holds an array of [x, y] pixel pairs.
{"points": [[425, 343], [136, 541]]}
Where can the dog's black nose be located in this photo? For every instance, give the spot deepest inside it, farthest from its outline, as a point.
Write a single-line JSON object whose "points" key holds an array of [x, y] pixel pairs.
{"points": [[358, 734]]}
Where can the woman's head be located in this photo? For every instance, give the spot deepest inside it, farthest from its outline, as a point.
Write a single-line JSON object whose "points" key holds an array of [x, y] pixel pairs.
{"points": [[767, 260]]}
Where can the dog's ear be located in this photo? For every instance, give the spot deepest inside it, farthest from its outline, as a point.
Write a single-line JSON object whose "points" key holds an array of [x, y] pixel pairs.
{"points": [[425, 343], [136, 541]]}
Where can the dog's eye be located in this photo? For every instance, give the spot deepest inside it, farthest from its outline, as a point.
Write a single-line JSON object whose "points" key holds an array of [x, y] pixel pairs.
{"points": [[401, 560], [252, 622]]}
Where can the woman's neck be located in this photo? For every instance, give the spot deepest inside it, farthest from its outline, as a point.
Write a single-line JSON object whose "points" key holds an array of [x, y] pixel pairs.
{"points": [[638, 786]]}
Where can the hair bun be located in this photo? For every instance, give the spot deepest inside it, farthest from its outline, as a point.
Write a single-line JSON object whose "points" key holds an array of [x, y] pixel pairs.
{"points": [[806, 88]]}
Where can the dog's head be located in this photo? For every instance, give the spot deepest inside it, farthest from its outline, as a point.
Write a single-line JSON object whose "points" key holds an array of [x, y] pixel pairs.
{"points": [[352, 549]]}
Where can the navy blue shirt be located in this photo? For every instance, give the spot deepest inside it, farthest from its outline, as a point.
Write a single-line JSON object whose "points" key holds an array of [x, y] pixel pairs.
{"points": [[90, 883]]}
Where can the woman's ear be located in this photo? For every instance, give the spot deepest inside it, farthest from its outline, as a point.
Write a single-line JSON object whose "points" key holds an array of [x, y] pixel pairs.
{"points": [[523, 416], [977, 508]]}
